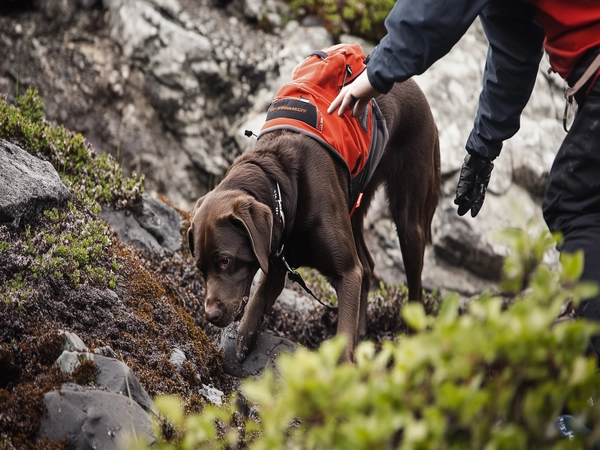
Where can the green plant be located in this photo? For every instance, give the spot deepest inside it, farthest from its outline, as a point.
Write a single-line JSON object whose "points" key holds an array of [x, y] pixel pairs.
{"points": [[363, 18], [91, 179], [492, 376], [66, 244]]}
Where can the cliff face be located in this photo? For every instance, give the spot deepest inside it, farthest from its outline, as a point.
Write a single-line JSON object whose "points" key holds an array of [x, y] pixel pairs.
{"points": [[157, 86]]}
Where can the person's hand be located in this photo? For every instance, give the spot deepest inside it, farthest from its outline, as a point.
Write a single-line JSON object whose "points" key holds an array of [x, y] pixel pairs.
{"points": [[359, 91], [472, 184]]}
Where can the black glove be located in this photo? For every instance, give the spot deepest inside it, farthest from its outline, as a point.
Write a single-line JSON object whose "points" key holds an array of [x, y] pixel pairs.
{"points": [[472, 184]]}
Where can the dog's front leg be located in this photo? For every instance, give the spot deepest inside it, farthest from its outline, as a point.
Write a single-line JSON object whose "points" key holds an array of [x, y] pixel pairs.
{"points": [[269, 288], [348, 292]]}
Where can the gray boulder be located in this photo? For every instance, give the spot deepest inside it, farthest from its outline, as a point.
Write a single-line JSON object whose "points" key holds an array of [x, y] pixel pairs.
{"points": [[91, 418], [28, 185], [156, 229], [112, 375], [267, 348]]}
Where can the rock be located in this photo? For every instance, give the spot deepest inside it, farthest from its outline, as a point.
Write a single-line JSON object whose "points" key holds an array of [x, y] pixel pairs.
{"points": [[28, 185], [112, 375], [177, 358], [73, 343], [157, 229], [130, 231], [267, 348], [193, 79], [213, 395], [162, 222], [91, 418], [60, 11]]}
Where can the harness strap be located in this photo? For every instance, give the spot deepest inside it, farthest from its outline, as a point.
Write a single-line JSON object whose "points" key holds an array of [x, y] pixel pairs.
{"points": [[570, 92], [591, 70], [297, 278], [291, 273]]}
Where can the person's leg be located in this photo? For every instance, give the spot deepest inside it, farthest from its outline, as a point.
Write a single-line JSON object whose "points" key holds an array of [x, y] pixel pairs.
{"points": [[572, 199]]}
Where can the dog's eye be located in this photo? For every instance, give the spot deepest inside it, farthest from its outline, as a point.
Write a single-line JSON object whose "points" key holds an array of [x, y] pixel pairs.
{"points": [[225, 262]]}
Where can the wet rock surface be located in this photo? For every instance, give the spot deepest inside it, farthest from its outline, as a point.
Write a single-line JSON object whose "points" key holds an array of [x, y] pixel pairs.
{"points": [[267, 348], [91, 418], [156, 228]]}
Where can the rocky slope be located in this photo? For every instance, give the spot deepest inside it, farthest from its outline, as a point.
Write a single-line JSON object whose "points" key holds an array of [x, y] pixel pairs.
{"points": [[167, 88]]}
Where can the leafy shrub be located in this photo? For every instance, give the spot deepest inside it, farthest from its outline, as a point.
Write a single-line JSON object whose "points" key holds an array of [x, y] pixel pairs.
{"points": [[492, 375], [363, 18]]}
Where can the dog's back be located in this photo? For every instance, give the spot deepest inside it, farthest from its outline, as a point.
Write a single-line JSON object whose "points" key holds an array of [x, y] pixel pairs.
{"points": [[411, 176]]}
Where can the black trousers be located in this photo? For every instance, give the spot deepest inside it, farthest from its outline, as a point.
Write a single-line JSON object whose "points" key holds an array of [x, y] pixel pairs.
{"points": [[572, 199]]}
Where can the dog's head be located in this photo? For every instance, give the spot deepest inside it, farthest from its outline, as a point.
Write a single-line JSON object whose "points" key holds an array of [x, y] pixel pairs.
{"points": [[230, 239]]}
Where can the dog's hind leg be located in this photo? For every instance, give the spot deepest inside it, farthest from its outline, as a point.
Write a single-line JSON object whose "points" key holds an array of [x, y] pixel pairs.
{"points": [[348, 292], [413, 212], [366, 260], [412, 244], [268, 289]]}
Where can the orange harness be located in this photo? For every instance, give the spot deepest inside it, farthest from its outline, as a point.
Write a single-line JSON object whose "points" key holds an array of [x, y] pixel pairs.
{"points": [[303, 108], [301, 105]]}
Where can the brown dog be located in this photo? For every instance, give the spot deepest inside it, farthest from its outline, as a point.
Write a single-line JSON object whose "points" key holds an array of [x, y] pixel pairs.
{"points": [[237, 229]]}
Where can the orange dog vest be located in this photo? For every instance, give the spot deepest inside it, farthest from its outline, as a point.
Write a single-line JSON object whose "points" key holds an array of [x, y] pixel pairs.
{"points": [[301, 105]]}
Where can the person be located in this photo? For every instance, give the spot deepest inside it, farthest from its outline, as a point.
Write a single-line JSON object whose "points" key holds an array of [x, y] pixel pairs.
{"points": [[518, 31]]}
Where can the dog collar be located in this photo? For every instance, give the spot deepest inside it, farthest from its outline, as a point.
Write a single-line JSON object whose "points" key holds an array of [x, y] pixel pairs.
{"points": [[278, 203]]}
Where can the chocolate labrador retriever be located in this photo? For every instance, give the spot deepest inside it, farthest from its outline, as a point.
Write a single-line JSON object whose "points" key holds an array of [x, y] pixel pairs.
{"points": [[275, 194]]}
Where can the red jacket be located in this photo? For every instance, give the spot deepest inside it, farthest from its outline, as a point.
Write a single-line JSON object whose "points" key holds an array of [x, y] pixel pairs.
{"points": [[572, 27]]}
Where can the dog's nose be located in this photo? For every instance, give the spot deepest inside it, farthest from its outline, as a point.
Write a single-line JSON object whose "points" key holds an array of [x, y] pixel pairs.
{"points": [[213, 315]]}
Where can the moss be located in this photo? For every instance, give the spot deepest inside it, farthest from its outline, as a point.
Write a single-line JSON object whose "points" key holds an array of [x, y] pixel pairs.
{"points": [[364, 18], [65, 245], [92, 179], [85, 373], [22, 398]]}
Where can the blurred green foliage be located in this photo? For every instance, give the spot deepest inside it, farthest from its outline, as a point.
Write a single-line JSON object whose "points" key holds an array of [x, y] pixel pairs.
{"points": [[364, 18], [493, 374]]}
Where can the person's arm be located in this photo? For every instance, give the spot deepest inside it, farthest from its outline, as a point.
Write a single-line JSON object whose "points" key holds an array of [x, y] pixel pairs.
{"points": [[418, 34], [514, 53]]}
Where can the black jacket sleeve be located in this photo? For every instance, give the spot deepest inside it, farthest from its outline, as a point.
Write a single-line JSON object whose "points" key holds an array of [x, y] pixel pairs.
{"points": [[421, 32], [514, 53]]}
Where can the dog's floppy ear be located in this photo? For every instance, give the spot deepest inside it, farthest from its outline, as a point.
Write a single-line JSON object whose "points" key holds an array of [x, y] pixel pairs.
{"points": [[257, 219], [190, 233], [191, 239]]}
